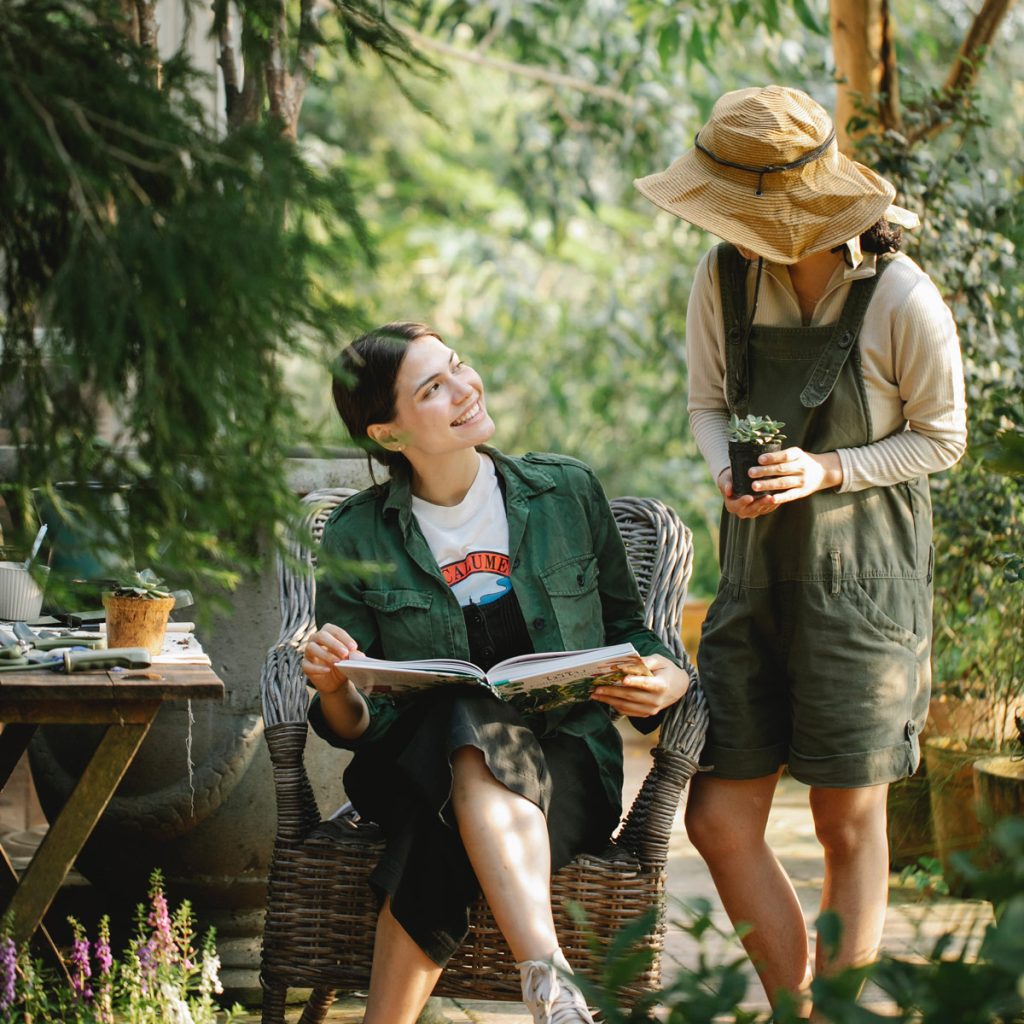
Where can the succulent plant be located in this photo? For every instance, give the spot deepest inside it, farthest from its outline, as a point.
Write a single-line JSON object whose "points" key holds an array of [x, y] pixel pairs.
{"points": [[759, 430], [145, 584]]}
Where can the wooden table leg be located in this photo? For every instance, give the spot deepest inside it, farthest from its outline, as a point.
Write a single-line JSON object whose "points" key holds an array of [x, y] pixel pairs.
{"points": [[67, 835], [13, 743], [8, 885]]}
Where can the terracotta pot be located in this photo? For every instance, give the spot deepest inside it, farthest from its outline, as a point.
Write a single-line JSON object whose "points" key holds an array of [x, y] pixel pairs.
{"points": [[137, 621]]}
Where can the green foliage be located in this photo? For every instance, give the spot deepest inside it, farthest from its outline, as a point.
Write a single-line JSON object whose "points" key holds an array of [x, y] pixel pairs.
{"points": [[153, 268], [925, 877], [510, 222], [709, 991], [759, 430], [973, 226]]}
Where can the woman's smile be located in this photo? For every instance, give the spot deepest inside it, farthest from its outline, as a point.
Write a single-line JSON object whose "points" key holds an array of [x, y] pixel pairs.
{"points": [[470, 415]]}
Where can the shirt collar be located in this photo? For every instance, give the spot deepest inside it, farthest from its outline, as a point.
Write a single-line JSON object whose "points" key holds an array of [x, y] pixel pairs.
{"points": [[520, 477]]}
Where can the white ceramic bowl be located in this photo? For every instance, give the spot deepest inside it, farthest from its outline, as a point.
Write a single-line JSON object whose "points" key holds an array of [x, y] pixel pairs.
{"points": [[21, 597]]}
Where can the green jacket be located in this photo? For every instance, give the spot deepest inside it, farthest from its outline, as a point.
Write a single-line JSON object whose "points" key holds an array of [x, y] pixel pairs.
{"points": [[569, 572]]}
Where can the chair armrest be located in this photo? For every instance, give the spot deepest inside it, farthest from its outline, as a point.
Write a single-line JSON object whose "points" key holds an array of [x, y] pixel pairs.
{"points": [[282, 683], [647, 830]]}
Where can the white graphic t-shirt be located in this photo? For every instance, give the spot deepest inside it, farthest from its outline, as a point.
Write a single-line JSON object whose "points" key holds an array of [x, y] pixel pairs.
{"points": [[470, 540]]}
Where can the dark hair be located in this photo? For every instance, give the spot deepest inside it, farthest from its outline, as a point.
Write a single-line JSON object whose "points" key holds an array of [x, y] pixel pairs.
{"points": [[881, 237], [364, 383]]}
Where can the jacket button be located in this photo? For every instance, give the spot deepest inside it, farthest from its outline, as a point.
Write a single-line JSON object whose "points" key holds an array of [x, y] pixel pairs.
{"points": [[515, 564], [579, 579], [539, 623]]}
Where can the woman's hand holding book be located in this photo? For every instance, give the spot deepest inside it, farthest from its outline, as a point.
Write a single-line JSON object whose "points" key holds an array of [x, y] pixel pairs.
{"points": [[640, 696]]}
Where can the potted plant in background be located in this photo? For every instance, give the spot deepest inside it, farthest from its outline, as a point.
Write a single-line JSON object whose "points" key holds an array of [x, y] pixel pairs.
{"points": [[750, 438], [138, 608]]}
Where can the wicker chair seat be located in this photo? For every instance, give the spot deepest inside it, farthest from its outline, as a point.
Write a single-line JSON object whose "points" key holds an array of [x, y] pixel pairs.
{"points": [[321, 912]]}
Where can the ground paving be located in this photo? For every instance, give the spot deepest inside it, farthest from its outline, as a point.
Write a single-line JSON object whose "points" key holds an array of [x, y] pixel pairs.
{"points": [[912, 923]]}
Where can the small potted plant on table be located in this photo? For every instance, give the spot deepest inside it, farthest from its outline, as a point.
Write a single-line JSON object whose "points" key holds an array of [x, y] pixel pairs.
{"points": [[138, 608], [749, 438]]}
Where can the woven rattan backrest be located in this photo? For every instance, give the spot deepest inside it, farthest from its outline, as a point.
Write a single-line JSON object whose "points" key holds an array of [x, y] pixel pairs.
{"points": [[282, 684]]}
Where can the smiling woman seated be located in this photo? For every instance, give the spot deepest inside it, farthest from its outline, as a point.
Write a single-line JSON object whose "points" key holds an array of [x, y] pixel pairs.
{"points": [[470, 794]]}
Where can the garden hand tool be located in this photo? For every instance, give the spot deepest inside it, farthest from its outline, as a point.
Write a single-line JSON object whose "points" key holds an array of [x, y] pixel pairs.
{"points": [[71, 660]]}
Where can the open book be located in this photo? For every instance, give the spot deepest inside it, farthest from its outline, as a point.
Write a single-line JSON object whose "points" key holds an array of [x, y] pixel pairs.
{"points": [[532, 682]]}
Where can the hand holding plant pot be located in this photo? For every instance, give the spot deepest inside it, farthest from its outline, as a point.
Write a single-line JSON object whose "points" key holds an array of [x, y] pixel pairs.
{"points": [[749, 438]]}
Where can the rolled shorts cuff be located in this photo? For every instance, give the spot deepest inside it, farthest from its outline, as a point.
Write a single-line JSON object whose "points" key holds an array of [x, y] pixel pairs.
{"points": [[854, 771], [729, 763]]}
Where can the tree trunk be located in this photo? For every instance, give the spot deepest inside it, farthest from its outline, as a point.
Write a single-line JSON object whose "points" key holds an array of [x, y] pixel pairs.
{"points": [[868, 85]]}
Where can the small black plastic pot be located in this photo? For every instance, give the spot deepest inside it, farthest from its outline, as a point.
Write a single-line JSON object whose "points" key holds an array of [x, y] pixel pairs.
{"points": [[742, 456]]}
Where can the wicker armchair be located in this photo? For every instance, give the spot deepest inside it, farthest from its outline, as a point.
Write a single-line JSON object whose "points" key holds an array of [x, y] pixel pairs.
{"points": [[321, 913]]}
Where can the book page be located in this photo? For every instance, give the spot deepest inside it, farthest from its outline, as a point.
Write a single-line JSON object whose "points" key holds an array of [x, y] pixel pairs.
{"points": [[375, 675], [559, 685]]}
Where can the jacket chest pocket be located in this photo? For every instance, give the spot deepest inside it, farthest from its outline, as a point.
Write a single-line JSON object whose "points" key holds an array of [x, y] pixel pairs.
{"points": [[403, 622], [571, 587]]}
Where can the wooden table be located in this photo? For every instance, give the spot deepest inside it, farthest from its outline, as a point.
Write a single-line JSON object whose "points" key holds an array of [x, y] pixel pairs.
{"points": [[127, 702]]}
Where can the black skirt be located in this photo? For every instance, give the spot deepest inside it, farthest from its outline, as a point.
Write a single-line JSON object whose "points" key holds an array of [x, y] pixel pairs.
{"points": [[404, 783]]}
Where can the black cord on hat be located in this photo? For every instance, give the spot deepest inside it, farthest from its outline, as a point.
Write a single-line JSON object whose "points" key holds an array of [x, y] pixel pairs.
{"points": [[807, 158]]}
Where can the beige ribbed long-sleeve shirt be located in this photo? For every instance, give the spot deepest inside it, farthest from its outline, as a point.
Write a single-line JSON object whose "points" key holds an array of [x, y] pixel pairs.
{"points": [[913, 373]]}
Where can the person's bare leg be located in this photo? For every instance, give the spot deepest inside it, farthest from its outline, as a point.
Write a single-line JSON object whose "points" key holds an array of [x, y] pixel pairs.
{"points": [[851, 827], [506, 839], [402, 976], [726, 821]]}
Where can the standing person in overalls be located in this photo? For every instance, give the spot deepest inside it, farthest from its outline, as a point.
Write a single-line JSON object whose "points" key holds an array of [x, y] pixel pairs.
{"points": [[815, 651]]}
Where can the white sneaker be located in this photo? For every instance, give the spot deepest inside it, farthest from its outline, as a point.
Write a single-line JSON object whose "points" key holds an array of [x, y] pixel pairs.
{"points": [[551, 998]]}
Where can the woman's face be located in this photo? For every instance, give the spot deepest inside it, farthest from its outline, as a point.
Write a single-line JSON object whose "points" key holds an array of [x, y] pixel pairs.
{"points": [[439, 403]]}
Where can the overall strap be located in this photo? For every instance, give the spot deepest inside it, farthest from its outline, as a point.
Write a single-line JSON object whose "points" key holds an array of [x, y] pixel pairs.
{"points": [[732, 283], [841, 341]]}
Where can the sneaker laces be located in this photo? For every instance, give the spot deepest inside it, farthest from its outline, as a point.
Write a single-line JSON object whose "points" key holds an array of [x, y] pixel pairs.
{"points": [[551, 998]]}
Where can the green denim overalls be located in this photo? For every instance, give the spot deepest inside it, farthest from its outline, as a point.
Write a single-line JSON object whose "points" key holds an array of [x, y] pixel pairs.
{"points": [[815, 651]]}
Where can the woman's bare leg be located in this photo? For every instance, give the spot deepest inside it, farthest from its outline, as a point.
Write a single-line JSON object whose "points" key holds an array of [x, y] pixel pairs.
{"points": [[851, 827], [402, 976], [506, 838], [726, 821]]}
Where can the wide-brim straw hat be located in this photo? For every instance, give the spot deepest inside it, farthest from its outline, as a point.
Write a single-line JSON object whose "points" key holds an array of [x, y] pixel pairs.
{"points": [[765, 173]]}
